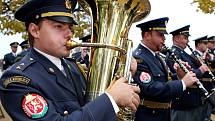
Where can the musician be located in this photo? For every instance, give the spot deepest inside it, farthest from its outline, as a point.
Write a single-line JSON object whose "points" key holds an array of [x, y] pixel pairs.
{"points": [[152, 76], [211, 61], [211, 48], [9, 58], [82, 57], [186, 107], [24, 45], [201, 48], [44, 86]]}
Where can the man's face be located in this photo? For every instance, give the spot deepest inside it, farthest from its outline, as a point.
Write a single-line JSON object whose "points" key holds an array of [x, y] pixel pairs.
{"points": [[210, 45], [14, 49], [84, 51], [202, 46], [157, 40], [51, 37], [181, 41]]}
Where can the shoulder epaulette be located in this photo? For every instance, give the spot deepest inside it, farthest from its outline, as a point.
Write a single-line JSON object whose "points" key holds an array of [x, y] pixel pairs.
{"points": [[24, 63], [137, 52]]}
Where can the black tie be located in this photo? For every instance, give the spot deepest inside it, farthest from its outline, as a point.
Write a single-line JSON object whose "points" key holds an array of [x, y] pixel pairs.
{"points": [[158, 61], [66, 68]]}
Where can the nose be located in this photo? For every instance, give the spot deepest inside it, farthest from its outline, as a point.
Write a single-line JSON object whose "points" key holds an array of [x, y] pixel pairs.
{"points": [[69, 34]]}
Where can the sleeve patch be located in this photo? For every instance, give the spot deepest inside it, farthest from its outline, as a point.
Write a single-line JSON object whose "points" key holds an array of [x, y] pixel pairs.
{"points": [[16, 79], [145, 77], [34, 105]]}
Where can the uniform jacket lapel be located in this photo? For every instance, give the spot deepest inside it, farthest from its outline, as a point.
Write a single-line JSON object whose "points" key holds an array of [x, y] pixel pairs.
{"points": [[51, 68], [78, 81], [150, 58]]}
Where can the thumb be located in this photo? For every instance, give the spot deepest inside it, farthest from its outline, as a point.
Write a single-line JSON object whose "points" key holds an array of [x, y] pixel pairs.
{"points": [[122, 80]]}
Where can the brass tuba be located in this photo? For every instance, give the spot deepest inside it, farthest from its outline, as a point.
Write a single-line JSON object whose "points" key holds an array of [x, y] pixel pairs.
{"points": [[111, 21]]}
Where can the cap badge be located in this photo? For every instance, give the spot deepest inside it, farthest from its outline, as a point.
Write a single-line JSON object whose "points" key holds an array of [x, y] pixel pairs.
{"points": [[68, 4], [34, 106], [166, 23], [145, 77]]}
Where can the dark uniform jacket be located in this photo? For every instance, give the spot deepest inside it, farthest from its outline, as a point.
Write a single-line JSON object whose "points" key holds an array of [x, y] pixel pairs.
{"points": [[8, 60], [36, 75], [157, 88], [21, 55], [191, 96], [211, 62], [78, 58], [206, 78]]}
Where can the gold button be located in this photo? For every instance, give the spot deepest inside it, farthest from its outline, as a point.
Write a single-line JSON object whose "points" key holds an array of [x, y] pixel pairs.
{"points": [[65, 112]]}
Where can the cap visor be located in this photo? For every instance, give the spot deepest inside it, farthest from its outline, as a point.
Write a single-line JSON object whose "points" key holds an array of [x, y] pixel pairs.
{"points": [[63, 19], [163, 32]]}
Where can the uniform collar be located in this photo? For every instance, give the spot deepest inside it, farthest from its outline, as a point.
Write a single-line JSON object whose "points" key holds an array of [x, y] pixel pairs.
{"points": [[148, 48], [200, 53], [178, 47], [14, 54], [54, 60]]}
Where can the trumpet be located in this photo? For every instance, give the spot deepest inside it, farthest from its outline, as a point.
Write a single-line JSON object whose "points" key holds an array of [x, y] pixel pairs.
{"points": [[201, 61]]}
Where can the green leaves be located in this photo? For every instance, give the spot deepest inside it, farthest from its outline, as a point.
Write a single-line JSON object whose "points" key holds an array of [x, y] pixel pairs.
{"points": [[206, 6], [10, 26]]}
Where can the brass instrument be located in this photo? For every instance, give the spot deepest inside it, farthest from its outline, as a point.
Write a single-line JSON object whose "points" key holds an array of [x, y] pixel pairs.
{"points": [[111, 21], [201, 61]]}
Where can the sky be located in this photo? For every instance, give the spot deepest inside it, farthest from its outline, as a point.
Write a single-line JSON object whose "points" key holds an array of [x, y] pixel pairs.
{"points": [[180, 13]]}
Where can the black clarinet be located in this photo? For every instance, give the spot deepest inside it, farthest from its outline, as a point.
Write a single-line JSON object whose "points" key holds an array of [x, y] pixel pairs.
{"points": [[201, 61], [184, 68]]}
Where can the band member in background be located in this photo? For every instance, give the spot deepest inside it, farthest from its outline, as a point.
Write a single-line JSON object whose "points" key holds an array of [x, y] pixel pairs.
{"points": [[211, 61], [24, 45], [9, 59], [186, 107], [201, 48], [211, 44], [211, 49], [82, 57], [44, 85], [152, 75]]}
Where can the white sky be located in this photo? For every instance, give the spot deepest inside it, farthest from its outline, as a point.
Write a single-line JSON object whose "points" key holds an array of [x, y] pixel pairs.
{"points": [[180, 13]]}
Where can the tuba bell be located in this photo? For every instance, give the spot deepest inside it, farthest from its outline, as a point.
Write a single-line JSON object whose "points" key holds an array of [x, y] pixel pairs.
{"points": [[111, 21]]}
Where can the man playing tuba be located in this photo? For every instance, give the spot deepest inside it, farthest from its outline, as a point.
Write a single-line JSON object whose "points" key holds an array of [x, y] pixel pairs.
{"points": [[44, 76]]}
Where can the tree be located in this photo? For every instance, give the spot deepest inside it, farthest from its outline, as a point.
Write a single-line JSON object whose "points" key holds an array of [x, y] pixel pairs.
{"points": [[206, 6], [9, 25]]}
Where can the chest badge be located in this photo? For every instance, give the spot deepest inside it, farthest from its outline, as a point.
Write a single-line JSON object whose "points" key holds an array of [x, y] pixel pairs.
{"points": [[145, 77], [35, 106]]}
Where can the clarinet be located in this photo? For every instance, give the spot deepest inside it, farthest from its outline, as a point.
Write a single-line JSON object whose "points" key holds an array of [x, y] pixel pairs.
{"points": [[201, 61], [184, 68]]}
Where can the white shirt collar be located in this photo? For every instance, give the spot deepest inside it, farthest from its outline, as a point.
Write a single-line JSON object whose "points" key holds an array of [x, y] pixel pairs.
{"points": [[54, 60], [148, 48], [201, 53], [14, 54]]}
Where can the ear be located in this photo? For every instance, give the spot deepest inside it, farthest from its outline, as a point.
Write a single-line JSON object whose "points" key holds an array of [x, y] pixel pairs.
{"points": [[34, 30], [147, 35]]}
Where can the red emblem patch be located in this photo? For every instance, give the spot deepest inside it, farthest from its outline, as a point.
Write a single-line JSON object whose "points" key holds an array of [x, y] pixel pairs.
{"points": [[34, 106], [145, 77]]}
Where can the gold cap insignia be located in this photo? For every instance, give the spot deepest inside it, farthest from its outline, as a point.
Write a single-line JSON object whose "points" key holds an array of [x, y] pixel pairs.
{"points": [[68, 4]]}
